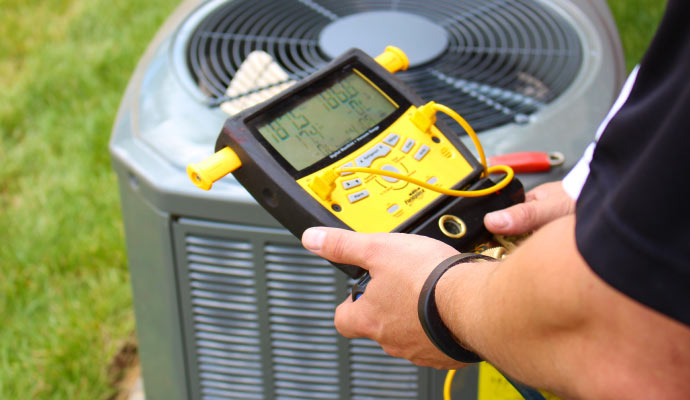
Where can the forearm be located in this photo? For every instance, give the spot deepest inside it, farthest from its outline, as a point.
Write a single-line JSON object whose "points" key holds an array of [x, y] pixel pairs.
{"points": [[541, 316], [545, 318]]}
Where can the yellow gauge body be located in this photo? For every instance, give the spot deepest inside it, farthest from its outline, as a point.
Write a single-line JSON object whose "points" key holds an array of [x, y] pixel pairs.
{"points": [[375, 203], [288, 153]]}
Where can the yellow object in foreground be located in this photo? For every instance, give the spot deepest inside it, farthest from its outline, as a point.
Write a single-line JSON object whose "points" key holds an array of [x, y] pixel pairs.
{"points": [[493, 386]]}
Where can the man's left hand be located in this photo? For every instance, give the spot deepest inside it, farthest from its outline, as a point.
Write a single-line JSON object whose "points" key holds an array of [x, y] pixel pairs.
{"points": [[387, 311]]}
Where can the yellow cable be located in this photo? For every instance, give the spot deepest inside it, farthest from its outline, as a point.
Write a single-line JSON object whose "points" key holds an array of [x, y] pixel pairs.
{"points": [[448, 383], [324, 184], [426, 113], [456, 193]]}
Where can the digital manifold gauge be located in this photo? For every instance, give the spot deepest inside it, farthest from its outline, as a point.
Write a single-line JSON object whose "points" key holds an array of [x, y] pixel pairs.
{"points": [[352, 147]]}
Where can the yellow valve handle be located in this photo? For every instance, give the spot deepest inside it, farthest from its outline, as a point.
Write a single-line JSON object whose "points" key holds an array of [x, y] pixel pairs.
{"points": [[207, 171], [393, 59], [324, 185]]}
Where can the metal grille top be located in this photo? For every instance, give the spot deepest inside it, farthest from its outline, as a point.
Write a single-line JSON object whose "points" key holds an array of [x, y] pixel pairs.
{"points": [[503, 60]]}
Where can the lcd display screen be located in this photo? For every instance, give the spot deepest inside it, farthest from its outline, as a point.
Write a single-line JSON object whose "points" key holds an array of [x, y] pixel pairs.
{"points": [[327, 121]]}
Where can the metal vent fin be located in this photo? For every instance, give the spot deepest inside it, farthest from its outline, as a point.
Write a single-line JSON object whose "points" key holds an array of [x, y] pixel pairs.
{"points": [[504, 59], [376, 375], [224, 309], [301, 301]]}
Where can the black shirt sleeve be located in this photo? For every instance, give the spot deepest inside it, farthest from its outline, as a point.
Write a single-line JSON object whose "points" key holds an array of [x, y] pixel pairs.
{"points": [[633, 214]]}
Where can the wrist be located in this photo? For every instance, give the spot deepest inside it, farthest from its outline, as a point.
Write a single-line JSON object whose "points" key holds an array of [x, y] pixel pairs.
{"points": [[434, 326], [459, 295]]}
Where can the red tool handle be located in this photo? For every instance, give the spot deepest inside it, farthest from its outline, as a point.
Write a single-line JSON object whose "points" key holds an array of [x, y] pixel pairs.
{"points": [[528, 161]]}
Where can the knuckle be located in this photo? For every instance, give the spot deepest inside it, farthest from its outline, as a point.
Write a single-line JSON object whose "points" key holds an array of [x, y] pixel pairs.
{"points": [[337, 247], [342, 312], [542, 191], [342, 323], [370, 251], [367, 250], [339, 317], [352, 247], [352, 324], [524, 214], [568, 205]]}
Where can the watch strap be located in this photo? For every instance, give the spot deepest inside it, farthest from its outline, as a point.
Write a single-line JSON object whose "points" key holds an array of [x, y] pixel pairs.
{"points": [[433, 325]]}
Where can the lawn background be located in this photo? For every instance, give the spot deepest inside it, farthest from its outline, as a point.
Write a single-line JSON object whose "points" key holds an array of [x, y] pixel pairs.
{"points": [[65, 302]]}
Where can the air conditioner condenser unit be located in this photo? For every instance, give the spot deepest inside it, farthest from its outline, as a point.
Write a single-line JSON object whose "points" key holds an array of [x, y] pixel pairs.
{"points": [[228, 304]]}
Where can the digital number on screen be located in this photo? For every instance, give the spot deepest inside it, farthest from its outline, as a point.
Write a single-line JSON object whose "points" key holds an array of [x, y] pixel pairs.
{"points": [[326, 122]]}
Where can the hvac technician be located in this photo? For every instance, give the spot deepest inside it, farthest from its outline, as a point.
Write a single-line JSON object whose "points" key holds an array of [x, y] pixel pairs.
{"points": [[596, 304]]}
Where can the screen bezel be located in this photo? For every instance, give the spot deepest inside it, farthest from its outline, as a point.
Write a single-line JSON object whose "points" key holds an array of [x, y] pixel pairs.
{"points": [[275, 109]]}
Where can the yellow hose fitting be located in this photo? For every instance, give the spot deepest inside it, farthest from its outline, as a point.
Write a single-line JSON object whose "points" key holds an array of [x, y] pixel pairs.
{"points": [[424, 117], [393, 59], [324, 184], [207, 171]]}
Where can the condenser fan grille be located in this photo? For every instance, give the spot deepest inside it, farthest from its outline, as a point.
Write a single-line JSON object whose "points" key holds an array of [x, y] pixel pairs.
{"points": [[503, 61]]}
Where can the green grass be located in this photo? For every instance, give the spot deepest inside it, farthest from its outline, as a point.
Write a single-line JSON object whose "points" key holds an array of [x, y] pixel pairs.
{"points": [[65, 302], [636, 20]]}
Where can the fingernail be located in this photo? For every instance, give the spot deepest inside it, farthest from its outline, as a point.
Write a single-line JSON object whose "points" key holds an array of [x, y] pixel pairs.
{"points": [[498, 219], [313, 238]]}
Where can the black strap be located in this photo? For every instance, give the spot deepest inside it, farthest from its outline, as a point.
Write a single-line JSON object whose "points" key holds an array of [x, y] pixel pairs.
{"points": [[435, 329]]}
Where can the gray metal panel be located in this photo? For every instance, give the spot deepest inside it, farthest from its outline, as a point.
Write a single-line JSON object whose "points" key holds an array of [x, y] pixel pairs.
{"points": [[376, 375], [221, 312], [258, 312], [302, 299], [159, 329]]}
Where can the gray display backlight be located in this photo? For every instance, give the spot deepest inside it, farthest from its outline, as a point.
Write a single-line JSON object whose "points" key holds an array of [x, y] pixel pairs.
{"points": [[327, 121]]}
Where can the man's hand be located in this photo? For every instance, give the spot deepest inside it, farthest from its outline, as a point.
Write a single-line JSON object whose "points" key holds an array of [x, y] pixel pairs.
{"points": [[543, 204], [399, 264], [387, 311], [542, 315]]}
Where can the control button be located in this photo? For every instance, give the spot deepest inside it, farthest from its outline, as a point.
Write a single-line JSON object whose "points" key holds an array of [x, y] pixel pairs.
{"points": [[378, 151], [392, 139], [409, 144], [390, 168], [393, 209], [424, 150], [351, 183], [354, 197], [348, 165], [432, 180]]}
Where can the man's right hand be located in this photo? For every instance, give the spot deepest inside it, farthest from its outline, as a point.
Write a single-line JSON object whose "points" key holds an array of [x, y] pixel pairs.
{"points": [[543, 204]]}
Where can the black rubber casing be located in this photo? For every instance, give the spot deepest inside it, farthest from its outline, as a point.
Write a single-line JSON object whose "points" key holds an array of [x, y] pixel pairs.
{"points": [[271, 180]]}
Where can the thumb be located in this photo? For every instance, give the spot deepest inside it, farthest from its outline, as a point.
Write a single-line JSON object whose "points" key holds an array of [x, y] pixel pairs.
{"points": [[340, 245], [372, 250], [545, 203], [522, 218]]}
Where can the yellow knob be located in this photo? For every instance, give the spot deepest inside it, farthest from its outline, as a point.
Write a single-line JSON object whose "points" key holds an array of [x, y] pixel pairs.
{"points": [[207, 171], [324, 184], [393, 59]]}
